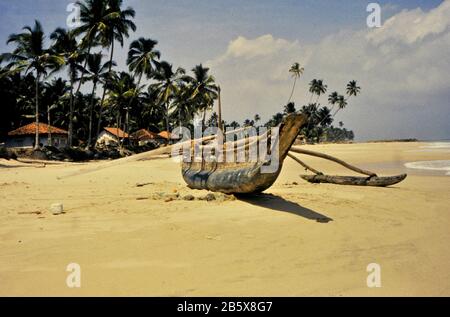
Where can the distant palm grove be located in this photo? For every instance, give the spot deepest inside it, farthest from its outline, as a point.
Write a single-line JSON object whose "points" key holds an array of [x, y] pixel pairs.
{"points": [[74, 84]]}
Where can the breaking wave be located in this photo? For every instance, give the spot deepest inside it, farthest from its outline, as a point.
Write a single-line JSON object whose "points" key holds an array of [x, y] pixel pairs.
{"points": [[431, 165], [436, 146]]}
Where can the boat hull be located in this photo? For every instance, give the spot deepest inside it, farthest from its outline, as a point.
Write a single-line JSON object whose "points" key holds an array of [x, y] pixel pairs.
{"points": [[246, 177], [237, 180]]}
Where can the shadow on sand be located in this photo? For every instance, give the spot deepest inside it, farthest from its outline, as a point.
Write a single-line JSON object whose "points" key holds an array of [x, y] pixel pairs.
{"points": [[278, 203]]}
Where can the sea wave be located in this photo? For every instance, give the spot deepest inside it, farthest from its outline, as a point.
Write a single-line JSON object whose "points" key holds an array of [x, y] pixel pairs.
{"points": [[443, 165], [436, 145]]}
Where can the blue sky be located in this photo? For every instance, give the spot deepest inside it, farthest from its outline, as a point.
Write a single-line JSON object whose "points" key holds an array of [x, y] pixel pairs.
{"points": [[203, 31], [193, 31]]}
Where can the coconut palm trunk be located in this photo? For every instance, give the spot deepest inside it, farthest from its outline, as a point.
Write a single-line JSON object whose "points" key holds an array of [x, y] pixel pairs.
{"points": [[340, 108], [49, 141], [167, 123], [220, 125], [36, 140], [293, 90], [127, 127], [83, 72], [91, 113], [117, 127], [72, 99], [71, 110], [105, 88], [100, 112], [204, 117]]}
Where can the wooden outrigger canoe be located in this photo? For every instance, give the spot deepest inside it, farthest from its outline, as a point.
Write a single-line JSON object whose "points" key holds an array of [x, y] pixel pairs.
{"points": [[248, 178], [245, 177]]}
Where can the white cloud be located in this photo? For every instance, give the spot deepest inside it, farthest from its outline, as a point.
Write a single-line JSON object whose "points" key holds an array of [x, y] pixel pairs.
{"points": [[402, 68], [265, 45], [414, 25]]}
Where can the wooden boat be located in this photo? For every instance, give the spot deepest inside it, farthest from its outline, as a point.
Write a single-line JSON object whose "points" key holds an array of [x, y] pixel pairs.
{"points": [[246, 177]]}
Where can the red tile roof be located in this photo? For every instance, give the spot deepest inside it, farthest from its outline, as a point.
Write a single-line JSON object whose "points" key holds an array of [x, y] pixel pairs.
{"points": [[165, 135], [30, 129], [117, 132], [144, 135]]}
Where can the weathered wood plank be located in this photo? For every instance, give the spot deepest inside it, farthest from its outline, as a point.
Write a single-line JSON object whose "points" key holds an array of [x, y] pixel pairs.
{"points": [[355, 181]]}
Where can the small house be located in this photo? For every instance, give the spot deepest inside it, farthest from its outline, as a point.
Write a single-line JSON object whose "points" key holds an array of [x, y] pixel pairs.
{"points": [[24, 137], [168, 137], [111, 136], [144, 136]]}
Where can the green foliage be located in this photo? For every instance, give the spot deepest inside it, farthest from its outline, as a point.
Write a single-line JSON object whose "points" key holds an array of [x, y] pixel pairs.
{"points": [[153, 94]]}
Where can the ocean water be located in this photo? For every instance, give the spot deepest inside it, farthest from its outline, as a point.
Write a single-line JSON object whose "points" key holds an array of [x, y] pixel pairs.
{"points": [[441, 165], [441, 145]]}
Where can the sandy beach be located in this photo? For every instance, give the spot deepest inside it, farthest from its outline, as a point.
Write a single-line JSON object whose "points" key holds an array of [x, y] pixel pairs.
{"points": [[298, 239]]}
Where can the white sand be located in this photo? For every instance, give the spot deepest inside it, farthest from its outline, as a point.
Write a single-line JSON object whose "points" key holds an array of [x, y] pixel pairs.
{"points": [[130, 244]]}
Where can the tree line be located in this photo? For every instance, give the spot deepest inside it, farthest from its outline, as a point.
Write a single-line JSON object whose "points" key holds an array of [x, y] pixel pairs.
{"points": [[125, 100], [152, 94]]}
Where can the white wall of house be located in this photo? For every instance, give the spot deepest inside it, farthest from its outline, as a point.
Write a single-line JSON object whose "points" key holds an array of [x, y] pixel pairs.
{"points": [[106, 138], [27, 141]]}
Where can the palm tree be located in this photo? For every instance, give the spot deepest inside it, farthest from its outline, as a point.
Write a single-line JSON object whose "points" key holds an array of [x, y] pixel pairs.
{"points": [[353, 89], [53, 96], [332, 99], [296, 71], [317, 87], [275, 121], [312, 112], [142, 57], [205, 91], [289, 108], [65, 45], [153, 110], [17, 93], [234, 125], [95, 72], [257, 119], [30, 55], [312, 88], [93, 15], [213, 120], [183, 104], [120, 90], [342, 103], [167, 86], [324, 117], [117, 24], [142, 60], [321, 88], [249, 123]]}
